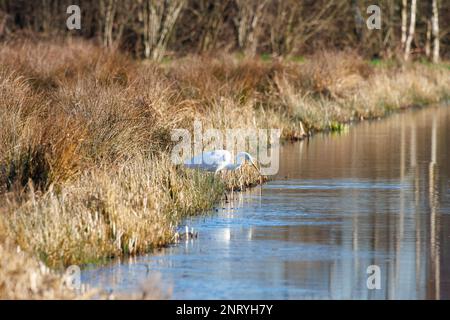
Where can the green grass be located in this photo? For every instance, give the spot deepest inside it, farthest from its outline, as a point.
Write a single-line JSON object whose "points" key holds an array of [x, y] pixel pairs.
{"points": [[297, 59], [383, 63], [337, 127], [266, 57]]}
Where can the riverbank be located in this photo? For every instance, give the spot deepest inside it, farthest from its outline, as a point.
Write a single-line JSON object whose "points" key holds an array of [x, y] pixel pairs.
{"points": [[336, 200], [85, 138]]}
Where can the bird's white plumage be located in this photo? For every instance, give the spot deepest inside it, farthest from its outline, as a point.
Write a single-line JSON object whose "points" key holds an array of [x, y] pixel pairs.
{"points": [[218, 160], [209, 160]]}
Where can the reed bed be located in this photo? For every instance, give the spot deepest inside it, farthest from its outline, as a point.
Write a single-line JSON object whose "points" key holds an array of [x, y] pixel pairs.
{"points": [[85, 173], [109, 212], [22, 276]]}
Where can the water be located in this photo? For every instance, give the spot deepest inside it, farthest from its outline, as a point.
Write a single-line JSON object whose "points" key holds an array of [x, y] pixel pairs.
{"points": [[378, 194]]}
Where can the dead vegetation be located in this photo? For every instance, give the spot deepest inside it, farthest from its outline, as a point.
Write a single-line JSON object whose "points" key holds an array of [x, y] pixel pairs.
{"points": [[85, 136]]}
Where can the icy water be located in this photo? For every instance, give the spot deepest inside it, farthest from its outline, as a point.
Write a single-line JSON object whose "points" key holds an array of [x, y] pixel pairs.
{"points": [[378, 194]]}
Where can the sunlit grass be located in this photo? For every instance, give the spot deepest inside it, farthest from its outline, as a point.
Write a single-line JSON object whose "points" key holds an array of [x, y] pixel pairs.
{"points": [[85, 140]]}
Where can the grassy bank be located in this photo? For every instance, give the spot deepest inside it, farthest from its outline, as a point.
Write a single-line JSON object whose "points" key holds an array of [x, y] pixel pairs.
{"points": [[23, 276], [85, 138]]}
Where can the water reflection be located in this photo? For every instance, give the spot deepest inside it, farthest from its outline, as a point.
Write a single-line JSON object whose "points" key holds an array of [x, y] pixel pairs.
{"points": [[376, 195]]}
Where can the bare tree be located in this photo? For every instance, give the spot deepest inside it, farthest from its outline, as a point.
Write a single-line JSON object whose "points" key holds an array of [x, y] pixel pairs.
{"points": [[389, 37], [283, 27], [404, 22], [108, 10], [114, 18], [159, 18], [412, 26], [435, 31], [210, 19], [283, 24], [248, 23], [359, 21], [293, 23], [3, 23], [428, 35]]}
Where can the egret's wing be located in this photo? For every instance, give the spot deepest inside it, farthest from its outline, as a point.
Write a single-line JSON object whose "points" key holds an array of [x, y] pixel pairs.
{"points": [[195, 160], [216, 156], [209, 160]]}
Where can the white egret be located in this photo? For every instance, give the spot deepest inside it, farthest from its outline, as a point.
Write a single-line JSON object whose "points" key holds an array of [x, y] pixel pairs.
{"points": [[219, 160]]}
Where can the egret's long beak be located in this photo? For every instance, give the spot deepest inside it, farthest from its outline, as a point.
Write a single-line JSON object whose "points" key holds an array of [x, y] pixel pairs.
{"points": [[255, 166]]}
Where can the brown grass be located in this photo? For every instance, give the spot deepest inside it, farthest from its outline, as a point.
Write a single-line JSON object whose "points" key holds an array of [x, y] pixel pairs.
{"points": [[24, 277], [21, 277], [338, 88], [106, 212], [85, 135]]}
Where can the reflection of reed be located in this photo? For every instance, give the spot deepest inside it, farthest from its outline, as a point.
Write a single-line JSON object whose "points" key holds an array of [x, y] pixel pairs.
{"points": [[341, 231], [417, 216], [434, 224], [401, 219]]}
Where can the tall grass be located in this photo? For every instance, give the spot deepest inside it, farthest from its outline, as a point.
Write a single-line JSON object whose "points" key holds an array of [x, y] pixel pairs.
{"points": [[106, 212], [22, 276], [85, 134]]}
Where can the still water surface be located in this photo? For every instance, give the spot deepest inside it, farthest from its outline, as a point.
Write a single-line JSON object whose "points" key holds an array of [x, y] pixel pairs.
{"points": [[378, 194]]}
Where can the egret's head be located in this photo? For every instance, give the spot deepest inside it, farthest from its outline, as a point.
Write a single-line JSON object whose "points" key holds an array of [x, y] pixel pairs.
{"points": [[244, 156]]}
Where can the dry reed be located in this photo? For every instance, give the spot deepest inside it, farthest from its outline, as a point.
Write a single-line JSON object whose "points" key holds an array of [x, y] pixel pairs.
{"points": [[84, 168]]}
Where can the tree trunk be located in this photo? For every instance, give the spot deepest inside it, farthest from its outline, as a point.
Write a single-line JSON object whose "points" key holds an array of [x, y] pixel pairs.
{"points": [[359, 22], [250, 14], [412, 27], [159, 18], [283, 18], [404, 22], [388, 40], [211, 15], [435, 31], [109, 11], [3, 21], [428, 38]]}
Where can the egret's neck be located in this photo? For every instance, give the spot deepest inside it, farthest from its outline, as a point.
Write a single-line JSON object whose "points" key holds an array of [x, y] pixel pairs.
{"points": [[240, 158]]}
